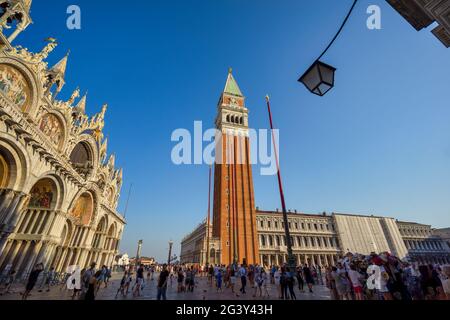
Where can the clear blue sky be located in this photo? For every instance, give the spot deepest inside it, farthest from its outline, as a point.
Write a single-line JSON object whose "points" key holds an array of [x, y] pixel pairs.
{"points": [[378, 143]]}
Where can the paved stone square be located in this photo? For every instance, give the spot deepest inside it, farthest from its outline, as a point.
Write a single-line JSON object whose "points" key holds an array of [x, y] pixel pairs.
{"points": [[202, 291]]}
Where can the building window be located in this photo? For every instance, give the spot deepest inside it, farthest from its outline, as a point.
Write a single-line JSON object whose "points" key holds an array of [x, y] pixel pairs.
{"points": [[277, 241], [261, 223], [296, 225], [276, 224], [303, 225], [263, 241], [271, 240], [228, 243], [315, 226], [309, 226], [269, 224]]}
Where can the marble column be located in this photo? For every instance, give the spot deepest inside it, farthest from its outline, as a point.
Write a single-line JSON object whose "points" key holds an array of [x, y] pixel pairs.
{"points": [[32, 261], [6, 199], [23, 254]]}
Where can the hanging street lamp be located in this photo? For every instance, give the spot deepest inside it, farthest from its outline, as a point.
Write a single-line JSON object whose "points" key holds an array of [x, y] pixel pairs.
{"points": [[319, 78]]}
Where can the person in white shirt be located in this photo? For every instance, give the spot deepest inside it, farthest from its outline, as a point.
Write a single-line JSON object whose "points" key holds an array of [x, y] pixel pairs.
{"points": [[277, 278], [355, 277]]}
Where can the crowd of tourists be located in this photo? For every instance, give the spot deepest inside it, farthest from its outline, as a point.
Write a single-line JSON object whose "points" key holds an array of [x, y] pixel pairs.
{"points": [[353, 277], [90, 281], [386, 277]]}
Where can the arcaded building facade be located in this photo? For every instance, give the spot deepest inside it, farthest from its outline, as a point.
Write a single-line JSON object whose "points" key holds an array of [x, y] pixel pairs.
{"points": [[313, 237], [58, 189]]}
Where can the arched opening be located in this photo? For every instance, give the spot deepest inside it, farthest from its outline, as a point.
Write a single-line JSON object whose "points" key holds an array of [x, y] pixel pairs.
{"points": [[4, 172], [241, 120], [81, 159], [212, 256], [110, 239], [99, 231], [8, 167], [83, 209], [228, 118]]}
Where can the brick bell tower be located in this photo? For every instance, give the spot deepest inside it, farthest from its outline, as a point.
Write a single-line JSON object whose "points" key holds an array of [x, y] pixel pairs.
{"points": [[234, 212]]}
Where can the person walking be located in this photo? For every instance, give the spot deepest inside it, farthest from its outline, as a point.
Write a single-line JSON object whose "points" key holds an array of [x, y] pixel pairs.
{"points": [[300, 279], [355, 279], [283, 284], [162, 284], [243, 276], [219, 280], [277, 281], [32, 279], [123, 282], [308, 277], [10, 278], [50, 278], [290, 281], [233, 274], [139, 281], [86, 278], [92, 284]]}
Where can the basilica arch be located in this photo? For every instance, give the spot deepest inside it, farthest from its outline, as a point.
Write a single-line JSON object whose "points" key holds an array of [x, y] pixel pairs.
{"points": [[33, 224], [52, 125], [13, 163], [82, 158], [19, 85]]}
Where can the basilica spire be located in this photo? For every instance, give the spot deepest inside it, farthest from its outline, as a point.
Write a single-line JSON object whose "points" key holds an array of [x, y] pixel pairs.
{"points": [[60, 67], [81, 105]]}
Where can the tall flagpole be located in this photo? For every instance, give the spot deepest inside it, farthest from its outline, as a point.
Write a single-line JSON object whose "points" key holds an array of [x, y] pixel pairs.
{"points": [[291, 258], [128, 199], [208, 218]]}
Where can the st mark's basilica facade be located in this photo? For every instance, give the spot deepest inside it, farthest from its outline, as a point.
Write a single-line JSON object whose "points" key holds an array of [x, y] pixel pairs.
{"points": [[58, 189]]}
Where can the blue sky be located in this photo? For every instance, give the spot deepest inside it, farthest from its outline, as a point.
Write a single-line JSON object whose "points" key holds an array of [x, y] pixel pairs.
{"points": [[378, 143]]}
